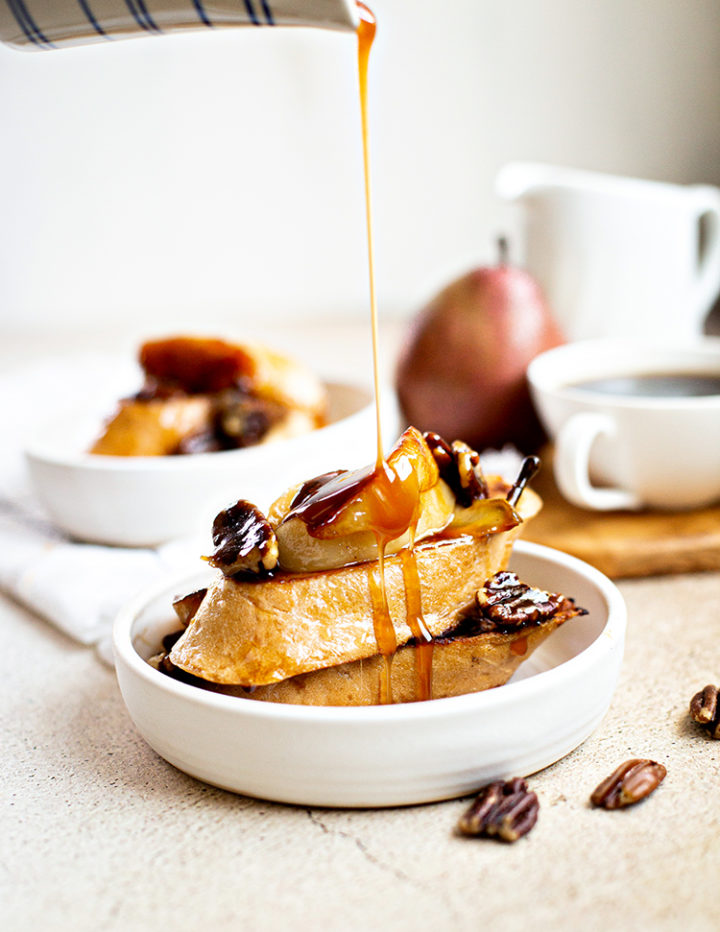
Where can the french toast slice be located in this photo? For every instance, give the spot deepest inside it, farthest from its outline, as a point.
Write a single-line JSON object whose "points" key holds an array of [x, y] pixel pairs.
{"points": [[470, 656]]}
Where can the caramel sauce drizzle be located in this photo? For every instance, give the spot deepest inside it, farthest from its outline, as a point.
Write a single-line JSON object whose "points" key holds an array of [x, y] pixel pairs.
{"points": [[391, 502], [382, 622], [320, 501], [519, 647], [366, 36], [390, 505], [416, 622]]}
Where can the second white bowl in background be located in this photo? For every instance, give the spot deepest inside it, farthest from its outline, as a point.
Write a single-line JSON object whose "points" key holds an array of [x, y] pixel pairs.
{"points": [[146, 500]]}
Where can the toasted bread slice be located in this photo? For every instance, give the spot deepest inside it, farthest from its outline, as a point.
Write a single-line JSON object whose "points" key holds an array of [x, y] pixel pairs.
{"points": [[460, 664], [465, 660]]}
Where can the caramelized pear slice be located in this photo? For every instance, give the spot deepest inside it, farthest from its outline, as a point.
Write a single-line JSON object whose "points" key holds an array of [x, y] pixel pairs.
{"points": [[153, 428], [338, 519], [386, 499], [484, 516], [301, 552]]}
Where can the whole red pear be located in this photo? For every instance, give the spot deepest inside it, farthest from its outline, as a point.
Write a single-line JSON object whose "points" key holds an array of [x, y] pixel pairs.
{"points": [[461, 371]]}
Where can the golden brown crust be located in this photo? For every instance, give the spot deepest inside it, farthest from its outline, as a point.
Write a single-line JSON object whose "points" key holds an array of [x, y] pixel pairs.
{"points": [[464, 665], [460, 666]]}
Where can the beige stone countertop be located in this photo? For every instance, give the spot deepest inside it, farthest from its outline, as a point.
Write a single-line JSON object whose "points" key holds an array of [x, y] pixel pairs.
{"points": [[99, 833]]}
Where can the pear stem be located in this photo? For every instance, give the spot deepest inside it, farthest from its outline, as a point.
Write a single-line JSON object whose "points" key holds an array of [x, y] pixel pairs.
{"points": [[503, 250], [528, 469]]}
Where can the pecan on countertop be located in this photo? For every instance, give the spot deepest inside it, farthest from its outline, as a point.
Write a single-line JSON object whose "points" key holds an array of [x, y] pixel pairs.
{"points": [[506, 810], [705, 710], [629, 784]]}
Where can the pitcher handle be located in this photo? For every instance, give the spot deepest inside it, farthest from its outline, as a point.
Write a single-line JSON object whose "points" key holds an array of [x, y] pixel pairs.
{"points": [[708, 281]]}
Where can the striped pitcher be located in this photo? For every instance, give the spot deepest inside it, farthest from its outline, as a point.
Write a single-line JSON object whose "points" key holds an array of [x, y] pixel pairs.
{"points": [[50, 24]]}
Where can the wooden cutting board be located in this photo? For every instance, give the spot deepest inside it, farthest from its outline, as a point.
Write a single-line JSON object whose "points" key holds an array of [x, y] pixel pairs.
{"points": [[624, 544]]}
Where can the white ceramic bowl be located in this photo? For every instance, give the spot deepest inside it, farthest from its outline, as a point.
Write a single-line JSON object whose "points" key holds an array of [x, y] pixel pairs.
{"points": [[146, 500], [383, 755]]}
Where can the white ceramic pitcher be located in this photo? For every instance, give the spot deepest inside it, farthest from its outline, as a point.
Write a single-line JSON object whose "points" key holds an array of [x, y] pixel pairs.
{"points": [[49, 24], [618, 256]]}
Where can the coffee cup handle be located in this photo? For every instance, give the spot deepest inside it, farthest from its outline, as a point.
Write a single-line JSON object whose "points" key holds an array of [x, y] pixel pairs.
{"points": [[708, 272], [572, 464]]}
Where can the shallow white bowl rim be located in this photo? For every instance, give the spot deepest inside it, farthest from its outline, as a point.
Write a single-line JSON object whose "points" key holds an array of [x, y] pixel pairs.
{"points": [[523, 690]]}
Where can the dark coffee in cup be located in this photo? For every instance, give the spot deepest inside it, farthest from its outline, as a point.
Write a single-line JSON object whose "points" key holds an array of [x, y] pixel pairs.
{"points": [[654, 385]]}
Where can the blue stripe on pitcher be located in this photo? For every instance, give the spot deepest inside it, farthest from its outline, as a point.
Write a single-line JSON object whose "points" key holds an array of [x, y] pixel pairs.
{"points": [[28, 24], [202, 15], [137, 16], [254, 18], [137, 8], [251, 13], [148, 18], [19, 20], [92, 19]]}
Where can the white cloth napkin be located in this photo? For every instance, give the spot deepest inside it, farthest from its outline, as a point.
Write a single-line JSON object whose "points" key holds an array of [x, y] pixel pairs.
{"points": [[77, 587]]}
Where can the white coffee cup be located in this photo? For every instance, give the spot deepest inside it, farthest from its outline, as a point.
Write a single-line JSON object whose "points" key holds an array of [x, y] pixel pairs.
{"points": [[62, 23], [618, 257], [627, 451]]}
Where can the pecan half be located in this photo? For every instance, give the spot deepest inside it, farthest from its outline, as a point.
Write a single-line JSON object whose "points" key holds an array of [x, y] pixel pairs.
{"points": [[459, 466], [629, 784], [185, 606], [506, 810], [245, 541], [507, 602], [242, 421], [238, 420], [705, 710]]}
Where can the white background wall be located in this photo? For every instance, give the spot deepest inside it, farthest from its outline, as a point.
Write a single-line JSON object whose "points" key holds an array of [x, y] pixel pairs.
{"points": [[218, 176]]}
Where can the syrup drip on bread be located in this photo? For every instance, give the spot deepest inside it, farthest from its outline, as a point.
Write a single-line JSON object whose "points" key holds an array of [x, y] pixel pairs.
{"points": [[387, 500]]}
